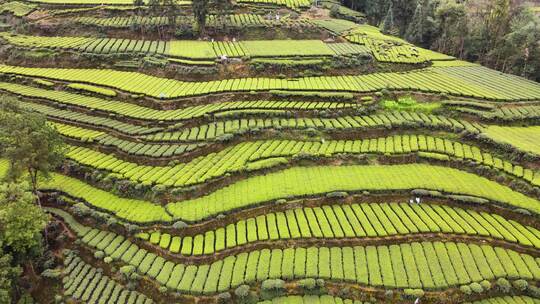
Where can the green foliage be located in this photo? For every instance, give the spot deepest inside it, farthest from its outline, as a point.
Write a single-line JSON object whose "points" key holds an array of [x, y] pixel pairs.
{"points": [[7, 274], [503, 285], [200, 11], [388, 26], [466, 289], [32, 146], [409, 104], [520, 284], [21, 221], [242, 291], [476, 287], [26, 299], [92, 89], [413, 293]]}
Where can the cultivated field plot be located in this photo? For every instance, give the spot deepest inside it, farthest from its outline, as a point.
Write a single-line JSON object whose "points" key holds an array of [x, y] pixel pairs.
{"points": [[288, 154]]}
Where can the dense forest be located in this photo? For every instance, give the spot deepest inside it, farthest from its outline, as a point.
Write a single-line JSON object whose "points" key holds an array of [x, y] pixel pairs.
{"points": [[501, 34]]}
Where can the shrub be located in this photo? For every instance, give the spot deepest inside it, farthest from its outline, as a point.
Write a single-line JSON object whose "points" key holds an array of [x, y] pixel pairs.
{"points": [[520, 284], [465, 289], [179, 225], [366, 98], [225, 138], [469, 199], [99, 254], [503, 285], [224, 297], [163, 289], [131, 228], [127, 270], [108, 259], [345, 292], [413, 293], [58, 298], [111, 221], [308, 284], [273, 284], [242, 291], [522, 211], [534, 291], [272, 288], [477, 288], [420, 192], [337, 194], [80, 209], [51, 273], [26, 299], [485, 284]]}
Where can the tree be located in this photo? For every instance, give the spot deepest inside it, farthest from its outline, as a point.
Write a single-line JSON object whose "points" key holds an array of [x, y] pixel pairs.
{"points": [[375, 10], [21, 221], [403, 11], [32, 146], [223, 8], [453, 29], [520, 50], [388, 25], [7, 274], [171, 10], [415, 30], [200, 10], [21, 224]]}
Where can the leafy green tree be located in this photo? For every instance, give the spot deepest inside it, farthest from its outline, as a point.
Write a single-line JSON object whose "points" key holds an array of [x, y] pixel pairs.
{"points": [[21, 224], [520, 50], [32, 146], [200, 10], [223, 8], [403, 11], [415, 30], [375, 10], [8, 274], [154, 7], [388, 24], [422, 28], [21, 221], [171, 10], [453, 29]]}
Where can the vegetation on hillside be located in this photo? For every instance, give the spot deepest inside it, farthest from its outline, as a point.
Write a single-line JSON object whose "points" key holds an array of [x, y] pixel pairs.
{"points": [[269, 151], [500, 34]]}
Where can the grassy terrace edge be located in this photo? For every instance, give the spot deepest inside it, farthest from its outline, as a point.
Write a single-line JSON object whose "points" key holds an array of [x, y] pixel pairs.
{"points": [[477, 82], [294, 182]]}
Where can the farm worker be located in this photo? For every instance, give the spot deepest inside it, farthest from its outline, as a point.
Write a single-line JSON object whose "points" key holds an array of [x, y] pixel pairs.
{"points": [[161, 95], [418, 200], [417, 301], [411, 201]]}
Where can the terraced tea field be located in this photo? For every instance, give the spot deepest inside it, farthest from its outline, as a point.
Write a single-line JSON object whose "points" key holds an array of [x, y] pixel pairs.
{"points": [[284, 157]]}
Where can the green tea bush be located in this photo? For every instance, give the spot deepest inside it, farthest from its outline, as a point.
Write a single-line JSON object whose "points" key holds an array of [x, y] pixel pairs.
{"points": [[476, 287], [520, 284], [503, 285], [466, 289]]}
